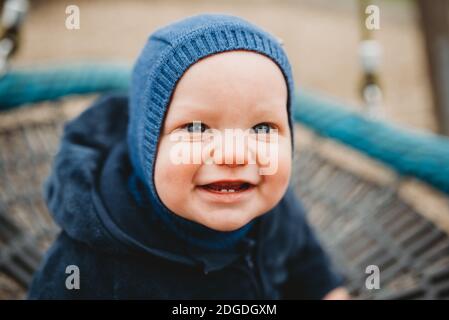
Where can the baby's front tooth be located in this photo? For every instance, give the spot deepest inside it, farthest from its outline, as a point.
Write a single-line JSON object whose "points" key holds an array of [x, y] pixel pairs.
{"points": [[223, 190], [232, 190]]}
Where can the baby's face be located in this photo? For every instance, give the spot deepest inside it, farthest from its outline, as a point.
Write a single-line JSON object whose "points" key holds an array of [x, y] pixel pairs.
{"points": [[228, 93]]}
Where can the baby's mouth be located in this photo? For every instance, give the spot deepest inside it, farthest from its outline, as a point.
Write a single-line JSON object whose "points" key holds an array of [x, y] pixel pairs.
{"points": [[225, 187]]}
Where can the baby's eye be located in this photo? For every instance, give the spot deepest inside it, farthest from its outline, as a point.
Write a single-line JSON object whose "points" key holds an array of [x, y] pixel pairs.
{"points": [[195, 127], [263, 128]]}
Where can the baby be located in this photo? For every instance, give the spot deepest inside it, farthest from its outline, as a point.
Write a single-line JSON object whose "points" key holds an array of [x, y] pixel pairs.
{"points": [[180, 190]]}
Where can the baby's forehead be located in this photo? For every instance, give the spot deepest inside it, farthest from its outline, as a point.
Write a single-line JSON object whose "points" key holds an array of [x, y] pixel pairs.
{"points": [[233, 72]]}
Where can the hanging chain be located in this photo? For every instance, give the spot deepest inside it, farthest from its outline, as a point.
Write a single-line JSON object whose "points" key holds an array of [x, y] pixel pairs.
{"points": [[370, 54], [12, 16]]}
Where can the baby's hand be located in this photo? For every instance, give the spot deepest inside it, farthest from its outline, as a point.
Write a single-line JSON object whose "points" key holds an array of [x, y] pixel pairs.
{"points": [[338, 294]]}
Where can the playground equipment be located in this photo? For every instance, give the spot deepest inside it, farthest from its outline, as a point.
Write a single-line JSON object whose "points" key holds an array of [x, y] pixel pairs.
{"points": [[360, 220]]}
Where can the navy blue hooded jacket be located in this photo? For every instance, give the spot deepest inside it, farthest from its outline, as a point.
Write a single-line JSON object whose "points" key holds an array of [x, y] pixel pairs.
{"points": [[123, 251]]}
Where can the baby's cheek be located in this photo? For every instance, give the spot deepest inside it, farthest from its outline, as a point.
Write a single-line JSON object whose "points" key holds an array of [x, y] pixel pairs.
{"points": [[276, 184], [171, 178]]}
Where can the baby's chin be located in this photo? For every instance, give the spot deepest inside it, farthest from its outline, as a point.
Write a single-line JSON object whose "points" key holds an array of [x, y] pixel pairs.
{"points": [[226, 220]]}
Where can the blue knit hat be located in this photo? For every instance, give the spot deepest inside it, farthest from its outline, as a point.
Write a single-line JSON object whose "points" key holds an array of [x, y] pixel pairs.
{"points": [[168, 53]]}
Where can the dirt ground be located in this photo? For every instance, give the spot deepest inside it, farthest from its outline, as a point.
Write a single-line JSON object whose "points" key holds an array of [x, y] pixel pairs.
{"points": [[321, 38]]}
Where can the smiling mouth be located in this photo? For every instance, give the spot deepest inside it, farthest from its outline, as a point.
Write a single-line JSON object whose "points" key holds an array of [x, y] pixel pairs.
{"points": [[226, 187]]}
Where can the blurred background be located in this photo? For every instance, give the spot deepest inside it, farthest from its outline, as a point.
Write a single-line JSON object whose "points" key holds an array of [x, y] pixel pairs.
{"points": [[372, 119], [321, 38]]}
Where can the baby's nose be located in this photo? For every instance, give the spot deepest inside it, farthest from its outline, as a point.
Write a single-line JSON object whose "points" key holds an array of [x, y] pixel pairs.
{"points": [[234, 149]]}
